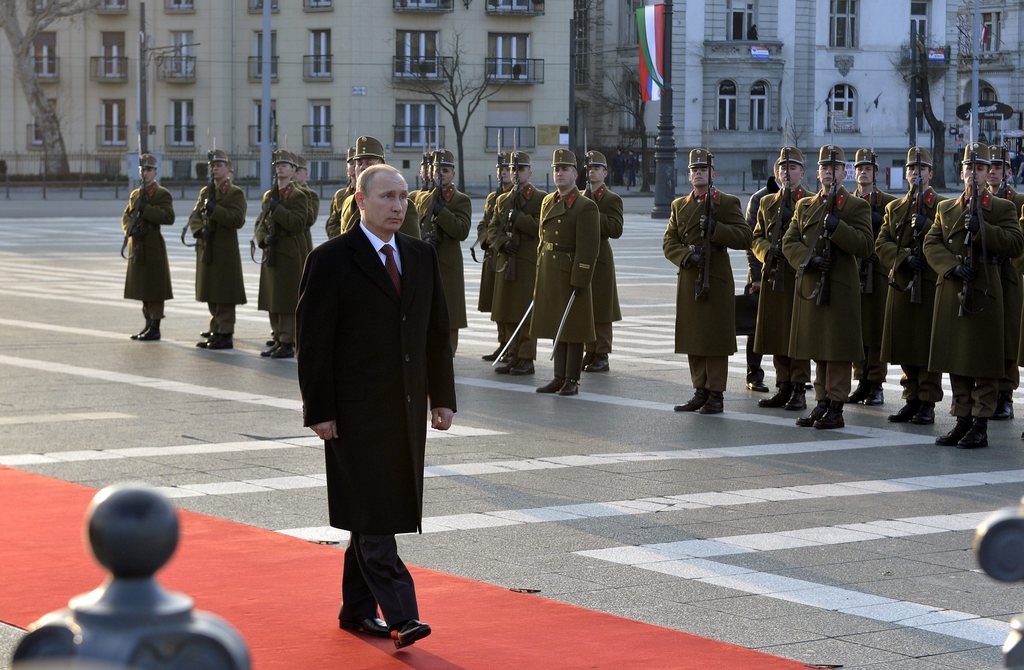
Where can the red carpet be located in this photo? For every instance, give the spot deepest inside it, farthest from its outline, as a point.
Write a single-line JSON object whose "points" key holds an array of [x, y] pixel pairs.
{"points": [[282, 595]]}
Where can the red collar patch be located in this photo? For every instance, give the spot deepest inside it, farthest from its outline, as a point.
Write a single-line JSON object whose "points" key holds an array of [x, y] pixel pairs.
{"points": [[986, 200], [286, 191], [528, 191], [569, 199], [224, 186], [799, 193], [840, 199], [151, 188], [929, 198], [600, 192], [449, 191]]}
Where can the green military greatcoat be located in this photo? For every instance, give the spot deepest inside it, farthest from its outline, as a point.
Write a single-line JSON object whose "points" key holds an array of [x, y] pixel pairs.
{"points": [[511, 298], [569, 242], [1013, 291], [605, 288], [313, 205], [149, 275], [218, 260], [829, 332], [907, 333], [281, 231], [705, 326], [872, 305], [971, 345], [333, 224], [483, 303], [445, 231], [775, 302]]}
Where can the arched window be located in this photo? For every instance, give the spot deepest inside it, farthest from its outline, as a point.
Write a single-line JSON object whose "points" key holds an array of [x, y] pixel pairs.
{"points": [[987, 128], [759, 105], [842, 109], [727, 105]]}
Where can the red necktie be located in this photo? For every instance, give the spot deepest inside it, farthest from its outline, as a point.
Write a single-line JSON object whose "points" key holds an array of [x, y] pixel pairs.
{"points": [[392, 267]]}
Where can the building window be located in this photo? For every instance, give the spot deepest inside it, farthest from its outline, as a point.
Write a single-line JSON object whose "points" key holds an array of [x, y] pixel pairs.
{"points": [[987, 128], [990, 31], [919, 18], [35, 130], [256, 60], [416, 124], [510, 53], [416, 53], [319, 133], [843, 23], [181, 132], [113, 63], [44, 50], [759, 106], [319, 169], [255, 130], [319, 54], [628, 35], [727, 105], [740, 20], [581, 12], [181, 64], [113, 131], [842, 109]]}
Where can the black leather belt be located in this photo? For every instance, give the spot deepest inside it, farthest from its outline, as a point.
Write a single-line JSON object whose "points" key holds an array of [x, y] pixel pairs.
{"points": [[551, 246]]}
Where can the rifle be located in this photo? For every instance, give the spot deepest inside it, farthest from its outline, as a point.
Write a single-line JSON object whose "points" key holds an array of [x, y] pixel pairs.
{"points": [[430, 232], [707, 230], [586, 166], [267, 241], [781, 221], [867, 266], [498, 190], [969, 259], [822, 292], [509, 269], [917, 232], [135, 230]]}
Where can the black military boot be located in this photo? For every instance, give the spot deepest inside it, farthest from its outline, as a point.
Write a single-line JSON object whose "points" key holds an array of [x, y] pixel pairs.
{"points": [[552, 386], [266, 353], [220, 341], [597, 364], [570, 387], [283, 350], [523, 366], [833, 417], [504, 368], [815, 415], [1004, 406], [908, 411], [875, 396], [925, 416], [493, 356], [976, 437], [700, 396], [206, 334], [798, 401], [861, 393], [145, 329], [588, 358], [780, 398], [714, 405], [151, 333], [961, 428]]}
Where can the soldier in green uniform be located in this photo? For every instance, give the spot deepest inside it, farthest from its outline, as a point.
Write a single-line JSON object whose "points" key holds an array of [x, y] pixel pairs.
{"points": [[1013, 295], [215, 221], [971, 237], [570, 239], [512, 233], [333, 225], [368, 151], [605, 288], [701, 227], [829, 232], [426, 176], [778, 283], [487, 266], [870, 370], [444, 214], [281, 233], [149, 275], [910, 303], [312, 197]]}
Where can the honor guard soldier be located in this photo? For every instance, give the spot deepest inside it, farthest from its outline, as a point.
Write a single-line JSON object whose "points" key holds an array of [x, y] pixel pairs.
{"points": [[368, 151], [333, 225], [605, 289], [778, 284], [149, 275], [910, 303], [426, 175], [214, 223], [701, 227], [870, 370], [487, 266], [1013, 294], [829, 232], [570, 240], [312, 199], [971, 237], [512, 233], [755, 373], [280, 232], [444, 219]]}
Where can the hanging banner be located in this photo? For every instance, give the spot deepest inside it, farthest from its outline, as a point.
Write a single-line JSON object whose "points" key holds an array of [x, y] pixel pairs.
{"points": [[650, 25]]}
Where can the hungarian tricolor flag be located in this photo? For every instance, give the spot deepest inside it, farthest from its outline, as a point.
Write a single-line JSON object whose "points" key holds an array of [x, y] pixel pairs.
{"points": [[650, 24]]}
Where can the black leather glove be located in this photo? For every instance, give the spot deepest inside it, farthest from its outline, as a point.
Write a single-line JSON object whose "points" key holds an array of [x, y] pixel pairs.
{"points": [[140, 207], [920, 222], [820, 263], [831, 222], [485, 245], [696, 258], [438, 201], [786, 216], [510, 248], [973, 223], [873, 258], [963, 273], [200, 234], [876, 217], [772, 255], [915, 263], [272, 202], [513, 214], [211, 203]]}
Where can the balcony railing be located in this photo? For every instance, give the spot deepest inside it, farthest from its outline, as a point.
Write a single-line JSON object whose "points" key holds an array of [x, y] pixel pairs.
{"points": [[111, 136], [316, 137], [515, 70], [179, 136], [515, 7], [34, 136], [179, 6], [109, 68], [522, 137], [422, 67], [256, 135], [180, 69], [256, 68], [256, 6], [413, 137], [317, 5], [113, 7], [47, 68], [423, 5], [317, 67]]}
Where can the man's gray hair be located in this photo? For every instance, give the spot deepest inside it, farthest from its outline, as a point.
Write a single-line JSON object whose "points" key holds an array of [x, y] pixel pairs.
{"points": [[367, 176]]}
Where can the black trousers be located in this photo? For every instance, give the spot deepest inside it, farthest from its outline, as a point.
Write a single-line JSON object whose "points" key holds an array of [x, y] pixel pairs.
{"points": [[375, 577], [755, 373]]}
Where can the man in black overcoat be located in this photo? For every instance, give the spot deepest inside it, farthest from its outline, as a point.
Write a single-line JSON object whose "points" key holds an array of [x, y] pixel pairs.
{"points": [[373, 350]]}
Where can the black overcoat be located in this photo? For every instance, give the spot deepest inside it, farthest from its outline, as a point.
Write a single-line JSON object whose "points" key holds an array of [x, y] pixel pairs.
{"points": [[370, 360]]}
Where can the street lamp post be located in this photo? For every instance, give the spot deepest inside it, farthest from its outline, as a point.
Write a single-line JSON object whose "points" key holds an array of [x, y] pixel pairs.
{"points": [[665, 145]]}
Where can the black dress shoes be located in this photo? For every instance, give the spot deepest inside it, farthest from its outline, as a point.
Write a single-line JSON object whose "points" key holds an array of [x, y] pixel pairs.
{"points": [[283, 350], [908, 412], [552, 386], [523, 366], [599, 363], [409, 632], [759, 387], [494, 356], [374, 626], [700, 396], [506, 367], [570, 387], [1004, 406]]}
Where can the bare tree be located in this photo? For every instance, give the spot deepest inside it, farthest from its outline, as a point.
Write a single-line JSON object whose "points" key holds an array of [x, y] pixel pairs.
{"points": [[447, 81], [42, 14], [919, 80], [622, 95]]}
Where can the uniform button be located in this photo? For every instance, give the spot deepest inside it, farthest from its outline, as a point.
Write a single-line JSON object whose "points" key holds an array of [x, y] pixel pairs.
{"points": [[407, 358], [408, 398], [403, 317]]}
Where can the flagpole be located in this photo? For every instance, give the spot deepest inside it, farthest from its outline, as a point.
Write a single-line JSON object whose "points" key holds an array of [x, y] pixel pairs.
{"points": [[665, 144]]}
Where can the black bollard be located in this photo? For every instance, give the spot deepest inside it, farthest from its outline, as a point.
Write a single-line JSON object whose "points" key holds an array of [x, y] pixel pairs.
{"points": [[999, 548], [131, 621]]}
